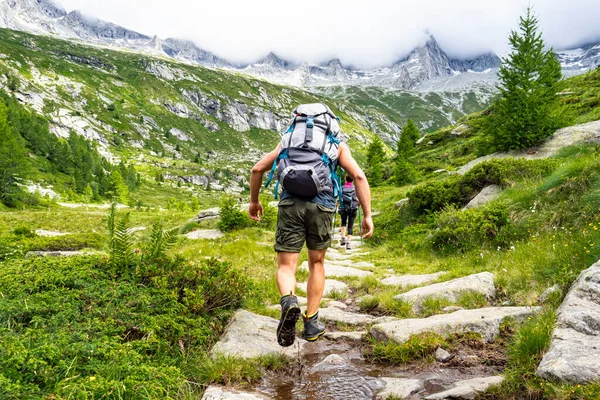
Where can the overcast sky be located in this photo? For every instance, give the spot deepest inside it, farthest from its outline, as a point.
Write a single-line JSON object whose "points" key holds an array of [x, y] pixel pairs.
{"points": [[361, 33]]}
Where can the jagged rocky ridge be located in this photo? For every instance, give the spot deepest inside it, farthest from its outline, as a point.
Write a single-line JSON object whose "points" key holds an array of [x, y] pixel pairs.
{"points": [[425, 63]]}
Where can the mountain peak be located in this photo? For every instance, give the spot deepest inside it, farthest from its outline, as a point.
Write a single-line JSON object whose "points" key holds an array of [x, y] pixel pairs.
{"points": [[274, 60]]}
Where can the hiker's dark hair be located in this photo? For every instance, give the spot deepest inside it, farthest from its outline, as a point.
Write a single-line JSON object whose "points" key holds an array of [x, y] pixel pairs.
{"points": [[349, 178]]}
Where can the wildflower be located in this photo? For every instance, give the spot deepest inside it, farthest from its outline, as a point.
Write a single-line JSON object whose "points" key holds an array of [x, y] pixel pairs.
{"points": [[512, 247]]}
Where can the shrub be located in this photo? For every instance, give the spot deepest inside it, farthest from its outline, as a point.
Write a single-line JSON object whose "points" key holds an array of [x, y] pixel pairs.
{"points": [[467, 229], [232, 217], [24, 231]]}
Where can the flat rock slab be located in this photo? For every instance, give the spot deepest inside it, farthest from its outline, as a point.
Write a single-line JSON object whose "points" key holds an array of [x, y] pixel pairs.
{"points": [[331, 285], [482, 283], [574, 354], [467, 389], [339, 257], [43, 232], [354, 336], [487, 195], [412, 280], [59, 253], [249, 335], [221, 393], [484, 321], [399, 388], [336, 271], [204, 234], [333, 314]]}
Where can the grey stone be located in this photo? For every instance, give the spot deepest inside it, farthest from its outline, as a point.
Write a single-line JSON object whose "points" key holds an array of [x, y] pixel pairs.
{"points": [[332, 314], [249, 335], [459, 130], [484, 321], [440, 171], [60, 253], [204, 234], [336, 271], [211, 213], [549, 292], [487, 195], [337, 304], [450, 309], [420, 140], [43, 232], [354, 336], [330, 286], [399, 388], [574, 354], [332, 361], [482, 283], [412, 280], [468, 389], [402, 203], [442, 355], [222, 393]]}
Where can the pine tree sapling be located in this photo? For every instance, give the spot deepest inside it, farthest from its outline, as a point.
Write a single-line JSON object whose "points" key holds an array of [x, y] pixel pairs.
{"points": [[527, 110], [375, 159], [404, 172]]}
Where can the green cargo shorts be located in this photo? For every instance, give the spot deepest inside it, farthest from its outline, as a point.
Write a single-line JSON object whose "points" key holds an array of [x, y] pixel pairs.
{"points": [[299, 221]]}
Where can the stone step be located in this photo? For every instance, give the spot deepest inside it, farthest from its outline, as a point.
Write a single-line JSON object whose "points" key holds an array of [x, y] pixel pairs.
{"points": [[484, 321], [336, 271], [354, 336], [574, 354], [250, 335], [412, 280], [482, 283], [467, 389], [215, 392], [330, 286], [334, 314]]}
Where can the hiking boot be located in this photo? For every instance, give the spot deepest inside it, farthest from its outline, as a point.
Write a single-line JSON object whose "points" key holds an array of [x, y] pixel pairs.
{"points": [[348, 245], [343, 241], [290, 312], [313, 329]]}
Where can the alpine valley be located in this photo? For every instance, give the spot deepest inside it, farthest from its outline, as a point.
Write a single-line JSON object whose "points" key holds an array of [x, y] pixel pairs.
{"points": [[197, 119]]}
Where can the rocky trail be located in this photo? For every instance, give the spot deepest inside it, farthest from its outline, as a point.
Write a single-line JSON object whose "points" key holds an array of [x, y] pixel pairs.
{"points": [[341, 366]]}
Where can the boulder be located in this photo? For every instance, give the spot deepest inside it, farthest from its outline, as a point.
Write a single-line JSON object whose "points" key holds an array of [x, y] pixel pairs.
{"points": [[211, 213], [412, 280], [482, 283], [442, 355], [459, 130], [333, 314], [467, 389], [484, 321], [221, 393], [574, 354], [249, 335], [399, 388], [333, 270], [487, 195], [204, 234], [330, 286]]}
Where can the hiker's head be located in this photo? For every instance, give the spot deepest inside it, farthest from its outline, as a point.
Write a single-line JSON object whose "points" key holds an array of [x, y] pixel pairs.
{"points": [[349, 179]]}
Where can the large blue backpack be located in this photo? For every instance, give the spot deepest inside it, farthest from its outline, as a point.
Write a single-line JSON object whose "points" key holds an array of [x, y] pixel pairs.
{"points": [[308, 159]]}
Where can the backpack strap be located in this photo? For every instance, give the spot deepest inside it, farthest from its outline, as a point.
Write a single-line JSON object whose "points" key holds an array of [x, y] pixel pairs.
{"points": [[310, 124], [327, 134]]}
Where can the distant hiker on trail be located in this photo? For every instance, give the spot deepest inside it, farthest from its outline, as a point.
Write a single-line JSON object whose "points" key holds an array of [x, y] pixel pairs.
{"points": [[306, 161], [348, 211]]}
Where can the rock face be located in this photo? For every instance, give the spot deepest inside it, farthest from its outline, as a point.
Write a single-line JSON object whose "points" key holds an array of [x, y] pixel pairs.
{"points": [[482, 283], [487, 195], [399, 388], [221, 393], [485, 321], [412, 280], [574, 354], [467, 389], [249, 335]]}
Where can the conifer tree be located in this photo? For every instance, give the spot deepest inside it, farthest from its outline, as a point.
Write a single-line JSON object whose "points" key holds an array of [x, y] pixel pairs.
{"points": [[404, 172], [375, 159], [13, 164], [527, 110], [117, 187]]}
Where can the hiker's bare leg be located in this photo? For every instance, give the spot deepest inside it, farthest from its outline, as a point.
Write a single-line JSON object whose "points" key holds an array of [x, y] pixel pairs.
{"points": [[316, 280], [343, 231], [286, 274]]}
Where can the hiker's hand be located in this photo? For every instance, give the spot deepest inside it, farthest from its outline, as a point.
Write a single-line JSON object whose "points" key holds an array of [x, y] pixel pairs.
{"points": [[256, 210], [367, 227]]}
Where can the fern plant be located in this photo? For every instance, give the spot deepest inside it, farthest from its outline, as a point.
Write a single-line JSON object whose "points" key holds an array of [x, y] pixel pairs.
{"points": [[120, 241], [161, 241]]}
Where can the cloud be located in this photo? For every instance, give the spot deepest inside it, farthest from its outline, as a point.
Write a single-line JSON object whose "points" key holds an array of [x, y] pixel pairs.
{"points": [[361, 33]]}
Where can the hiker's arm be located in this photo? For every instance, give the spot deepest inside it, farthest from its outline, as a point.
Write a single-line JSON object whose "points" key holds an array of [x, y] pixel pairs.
{"points": [[363, 192], [255, 210]]}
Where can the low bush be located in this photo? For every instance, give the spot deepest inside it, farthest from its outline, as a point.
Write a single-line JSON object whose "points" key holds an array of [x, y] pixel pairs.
{"points": [[232, 217]]}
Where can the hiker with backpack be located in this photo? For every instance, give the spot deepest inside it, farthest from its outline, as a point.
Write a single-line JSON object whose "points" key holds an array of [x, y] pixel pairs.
{"points": [[348, 211], [305, 164]]}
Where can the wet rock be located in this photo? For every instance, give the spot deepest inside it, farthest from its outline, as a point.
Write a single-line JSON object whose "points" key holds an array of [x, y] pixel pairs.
{"points": [[467, 389], [399, 388], [331, 285], [484, 321], [336, 315], [402, 203], [249, 335], [482, 283], [412, 280], [332, 361], [487, 195], [442, 355], [574, 354], [354, 336], [332, 270], [221, 393], [204, 234], [544, 297]]}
